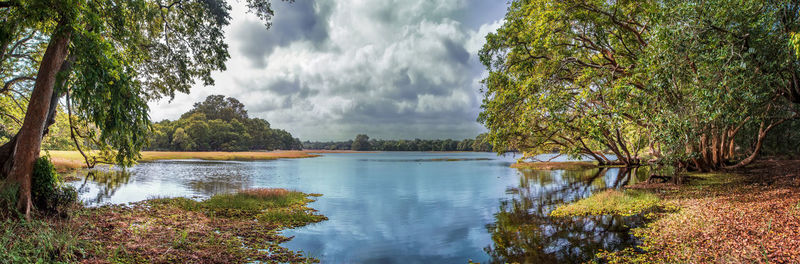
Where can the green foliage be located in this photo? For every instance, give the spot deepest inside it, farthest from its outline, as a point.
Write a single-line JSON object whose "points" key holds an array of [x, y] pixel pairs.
{"points": [[44, 183], [407, 145], [121, 54], [219, 123], [48, 193], [699, 84], [361, 143], [37, 241], [560, 74]]}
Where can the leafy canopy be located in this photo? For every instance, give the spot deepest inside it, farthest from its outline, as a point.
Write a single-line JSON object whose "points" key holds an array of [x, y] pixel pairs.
{"points": [[124, 53]]}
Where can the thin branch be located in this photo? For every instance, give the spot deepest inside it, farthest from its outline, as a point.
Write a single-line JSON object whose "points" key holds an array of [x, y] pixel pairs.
{"points": [[9, 83]]}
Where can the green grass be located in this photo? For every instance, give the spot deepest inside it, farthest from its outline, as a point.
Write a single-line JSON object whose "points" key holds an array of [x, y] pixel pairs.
{"points": [[278, 206], [626, 203], [36, 241]]}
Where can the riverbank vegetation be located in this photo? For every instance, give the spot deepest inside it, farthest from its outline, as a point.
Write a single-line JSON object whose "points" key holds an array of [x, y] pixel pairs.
{"points": [[700, 85], [230, 228]]}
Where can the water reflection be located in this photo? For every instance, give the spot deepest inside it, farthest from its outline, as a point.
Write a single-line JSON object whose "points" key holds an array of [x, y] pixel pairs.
{"points": [[189, 178], [393, 208], [106, 183], [524, 233]]}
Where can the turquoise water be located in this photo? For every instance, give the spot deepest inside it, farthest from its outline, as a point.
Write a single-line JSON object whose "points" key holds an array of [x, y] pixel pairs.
{"points": [[402, 207]]}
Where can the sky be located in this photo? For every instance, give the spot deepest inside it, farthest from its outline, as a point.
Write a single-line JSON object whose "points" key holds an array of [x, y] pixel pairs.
{"points": [[331, 69]]}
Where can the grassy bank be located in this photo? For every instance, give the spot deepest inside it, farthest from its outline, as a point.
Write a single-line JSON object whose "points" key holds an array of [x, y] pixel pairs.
{"points": [[230, 228], [625, 203], [752, 216], [73, 159]]}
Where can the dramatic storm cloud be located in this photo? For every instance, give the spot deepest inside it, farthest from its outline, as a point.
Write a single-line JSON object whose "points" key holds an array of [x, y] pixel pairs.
{"points": [[327, 70]]}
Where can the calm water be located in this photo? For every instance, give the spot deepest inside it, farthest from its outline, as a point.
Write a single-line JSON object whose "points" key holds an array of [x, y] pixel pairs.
{"points": [[403, 207]]}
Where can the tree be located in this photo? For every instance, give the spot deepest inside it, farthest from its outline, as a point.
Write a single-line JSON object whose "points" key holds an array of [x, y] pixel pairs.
{"points": [[220, 134], [559, 76], [361, 143], [108, 57], [697, 84], [481, 143], [181, 140], [720, 79], [220, 107]]}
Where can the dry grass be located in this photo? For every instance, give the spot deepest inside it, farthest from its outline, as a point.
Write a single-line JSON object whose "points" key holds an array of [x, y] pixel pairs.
{"points": [[336, 151], [556, 165], [65, 160], [220, 155], [66, 164], [266, 192]]}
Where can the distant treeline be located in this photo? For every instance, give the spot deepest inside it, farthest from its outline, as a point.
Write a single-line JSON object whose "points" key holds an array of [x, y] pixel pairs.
{"points": [[363, 143], [219, 124]]}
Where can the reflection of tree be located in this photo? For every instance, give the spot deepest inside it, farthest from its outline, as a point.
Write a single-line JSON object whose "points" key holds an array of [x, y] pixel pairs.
{"points": [[523, 233], [212, 178], [107, 182], [211, 185]]}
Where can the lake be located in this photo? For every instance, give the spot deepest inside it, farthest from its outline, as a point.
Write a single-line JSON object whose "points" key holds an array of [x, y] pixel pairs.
{"points": [[403, 207]]}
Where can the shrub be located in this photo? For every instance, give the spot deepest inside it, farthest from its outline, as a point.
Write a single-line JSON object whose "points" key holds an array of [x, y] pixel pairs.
{"points": [[49, 196], [44, 183]]}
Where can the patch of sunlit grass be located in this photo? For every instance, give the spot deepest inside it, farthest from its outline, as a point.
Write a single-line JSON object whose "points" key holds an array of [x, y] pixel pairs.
{"points": [[626, 203], [272, 205]]}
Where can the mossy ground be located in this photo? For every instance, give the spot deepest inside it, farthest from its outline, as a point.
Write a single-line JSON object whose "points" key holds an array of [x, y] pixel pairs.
{"points": [[231, 228], [618, 202]]}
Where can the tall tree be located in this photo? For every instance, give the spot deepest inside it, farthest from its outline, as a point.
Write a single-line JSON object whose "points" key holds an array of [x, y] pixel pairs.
{"points": [[361, 143], [220, 107], [699, 84], [560, 73], [109, 57]]}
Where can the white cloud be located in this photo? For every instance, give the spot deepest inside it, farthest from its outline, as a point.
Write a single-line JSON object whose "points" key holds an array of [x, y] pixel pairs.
{"points": [[391, 69]]}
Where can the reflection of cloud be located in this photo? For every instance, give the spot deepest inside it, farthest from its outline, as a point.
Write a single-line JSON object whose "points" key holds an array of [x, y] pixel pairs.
{"points": [[330, 69]]}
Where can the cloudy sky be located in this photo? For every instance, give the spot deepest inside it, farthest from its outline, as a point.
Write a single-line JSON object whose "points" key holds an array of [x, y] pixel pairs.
{"points": [[329, 69]]}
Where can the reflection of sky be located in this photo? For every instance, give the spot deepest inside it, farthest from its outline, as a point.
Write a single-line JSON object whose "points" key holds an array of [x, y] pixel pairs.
{"points": [[381, 210]]}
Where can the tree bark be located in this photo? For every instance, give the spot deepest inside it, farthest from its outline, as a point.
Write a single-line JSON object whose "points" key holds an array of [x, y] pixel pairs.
{"points": [[29, 138]]}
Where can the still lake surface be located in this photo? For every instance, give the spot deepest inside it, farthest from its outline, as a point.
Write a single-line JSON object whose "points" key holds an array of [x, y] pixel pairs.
{"points": [[403, 207]]}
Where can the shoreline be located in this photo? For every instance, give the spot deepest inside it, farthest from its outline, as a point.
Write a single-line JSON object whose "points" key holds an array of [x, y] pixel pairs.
{"points": [[694, 221], [70, 159]]}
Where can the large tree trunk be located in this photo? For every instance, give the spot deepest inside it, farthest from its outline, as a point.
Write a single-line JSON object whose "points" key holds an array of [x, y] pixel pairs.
{"points": [[29, 137]]}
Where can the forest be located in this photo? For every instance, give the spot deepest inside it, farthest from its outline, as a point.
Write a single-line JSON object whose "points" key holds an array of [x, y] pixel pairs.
{"points": [[362, 142], [219, 124]]}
